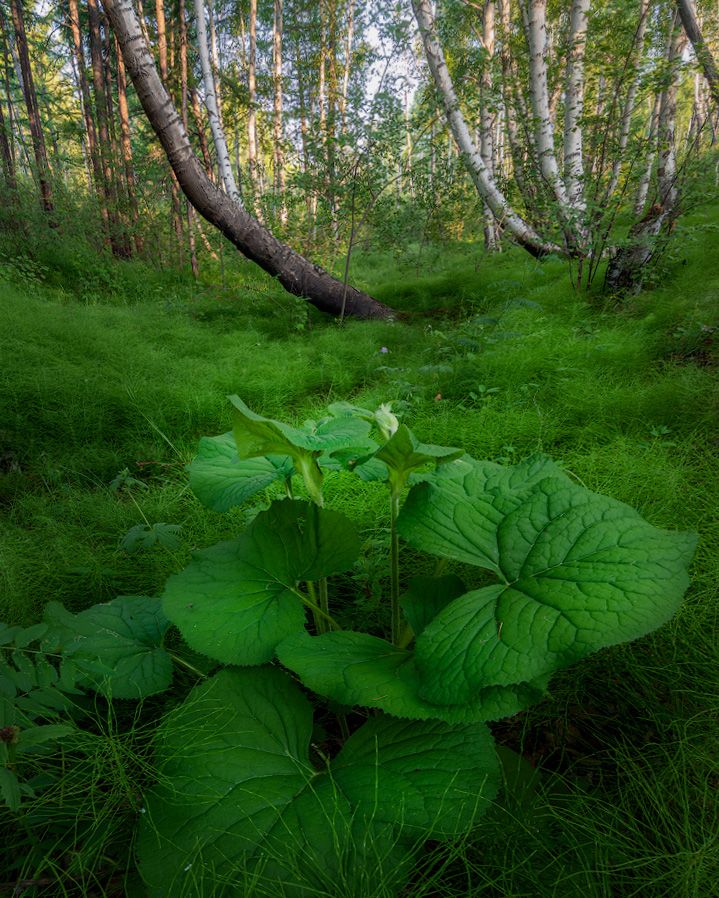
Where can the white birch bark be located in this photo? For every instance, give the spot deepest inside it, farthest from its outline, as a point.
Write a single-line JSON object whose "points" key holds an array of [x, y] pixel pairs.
{"points": [[252, 100], [535, 15], [703, 53], [278, 130], [631, 98], [666, 126], [487, 119], [218, 135], [574, 106], [640, 200], [485, 184]]}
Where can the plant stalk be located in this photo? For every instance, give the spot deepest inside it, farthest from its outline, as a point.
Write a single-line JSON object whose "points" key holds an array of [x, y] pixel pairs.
{"points": [[394, 567]]}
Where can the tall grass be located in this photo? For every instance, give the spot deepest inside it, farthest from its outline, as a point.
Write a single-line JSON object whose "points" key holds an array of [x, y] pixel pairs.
{"points": [[497, 355]]}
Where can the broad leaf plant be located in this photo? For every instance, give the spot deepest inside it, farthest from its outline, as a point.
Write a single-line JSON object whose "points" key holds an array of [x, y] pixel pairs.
{"points": [[245, 790]]}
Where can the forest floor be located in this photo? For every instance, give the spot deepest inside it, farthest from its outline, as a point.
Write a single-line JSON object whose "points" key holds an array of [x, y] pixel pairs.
{"points": [[112, 372]]}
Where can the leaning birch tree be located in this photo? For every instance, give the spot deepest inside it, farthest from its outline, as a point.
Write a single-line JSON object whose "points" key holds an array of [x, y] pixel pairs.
{"points": [[570, 187], [295, 273]]}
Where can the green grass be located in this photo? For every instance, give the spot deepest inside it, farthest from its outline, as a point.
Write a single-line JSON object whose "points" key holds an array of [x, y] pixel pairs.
{"points": [[497, 355]]}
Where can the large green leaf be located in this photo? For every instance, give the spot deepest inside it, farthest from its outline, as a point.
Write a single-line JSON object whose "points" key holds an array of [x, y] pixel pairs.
{"points": [[221, 480], [433, 779], [455, 512], [238, 797], [237, 600], [578, 572], [359, 669], [116, 648]]}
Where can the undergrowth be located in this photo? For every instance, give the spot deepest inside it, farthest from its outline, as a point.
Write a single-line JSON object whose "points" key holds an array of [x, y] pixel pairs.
{"points": [[109, 379]]}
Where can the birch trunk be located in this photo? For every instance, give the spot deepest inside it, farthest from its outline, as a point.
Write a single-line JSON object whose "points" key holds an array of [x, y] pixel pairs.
{"points": [[218, 134], [574, 107], [625, 270], [252, 105], [485, 184], [487, 119], [702, 51], [164, 74], [536, 27], [296, 274], [184, 106], [278, 130], [8, 161], [630, 101]]}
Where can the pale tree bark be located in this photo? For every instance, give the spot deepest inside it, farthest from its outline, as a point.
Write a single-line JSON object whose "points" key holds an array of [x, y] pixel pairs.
{"points": [[164, 74], [33, 114], [349, 39], [278, 129], [184, 106], [218, 133], [704, 55], [486, 186], [252, 155], [625, 270], [630, 101], [640, 199], [8, 161], [487, 118], [535, 16], [295, 273], [574, 107]]}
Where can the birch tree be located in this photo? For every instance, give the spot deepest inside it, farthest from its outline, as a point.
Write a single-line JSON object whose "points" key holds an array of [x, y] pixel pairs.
{"points": [[218, 132], [296, 274]]}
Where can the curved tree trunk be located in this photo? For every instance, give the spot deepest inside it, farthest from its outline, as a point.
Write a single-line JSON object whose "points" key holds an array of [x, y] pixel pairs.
{"points": [[486, 186], [297, 275], [704, 55]]}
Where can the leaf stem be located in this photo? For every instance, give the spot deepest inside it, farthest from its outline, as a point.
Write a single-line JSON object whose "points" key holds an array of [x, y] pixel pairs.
{"points": [[394, 566], [323, 620]]}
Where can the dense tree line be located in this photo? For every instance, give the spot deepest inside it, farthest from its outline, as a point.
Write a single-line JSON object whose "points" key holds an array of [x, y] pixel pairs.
{"points": [[310, 124]]}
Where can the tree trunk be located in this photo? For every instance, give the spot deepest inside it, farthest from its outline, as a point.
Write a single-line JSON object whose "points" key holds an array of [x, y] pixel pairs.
{"points": [[8, 162], [127, 147], [184, 105], [252, 109], [625, 271], [574, 108], [28, 86], [487, 188], [702, 51], [487, 119], [105, 150], [86, 103], [296, 274], [164, 74], [278, 130], [201, 136], [213, 114]]}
